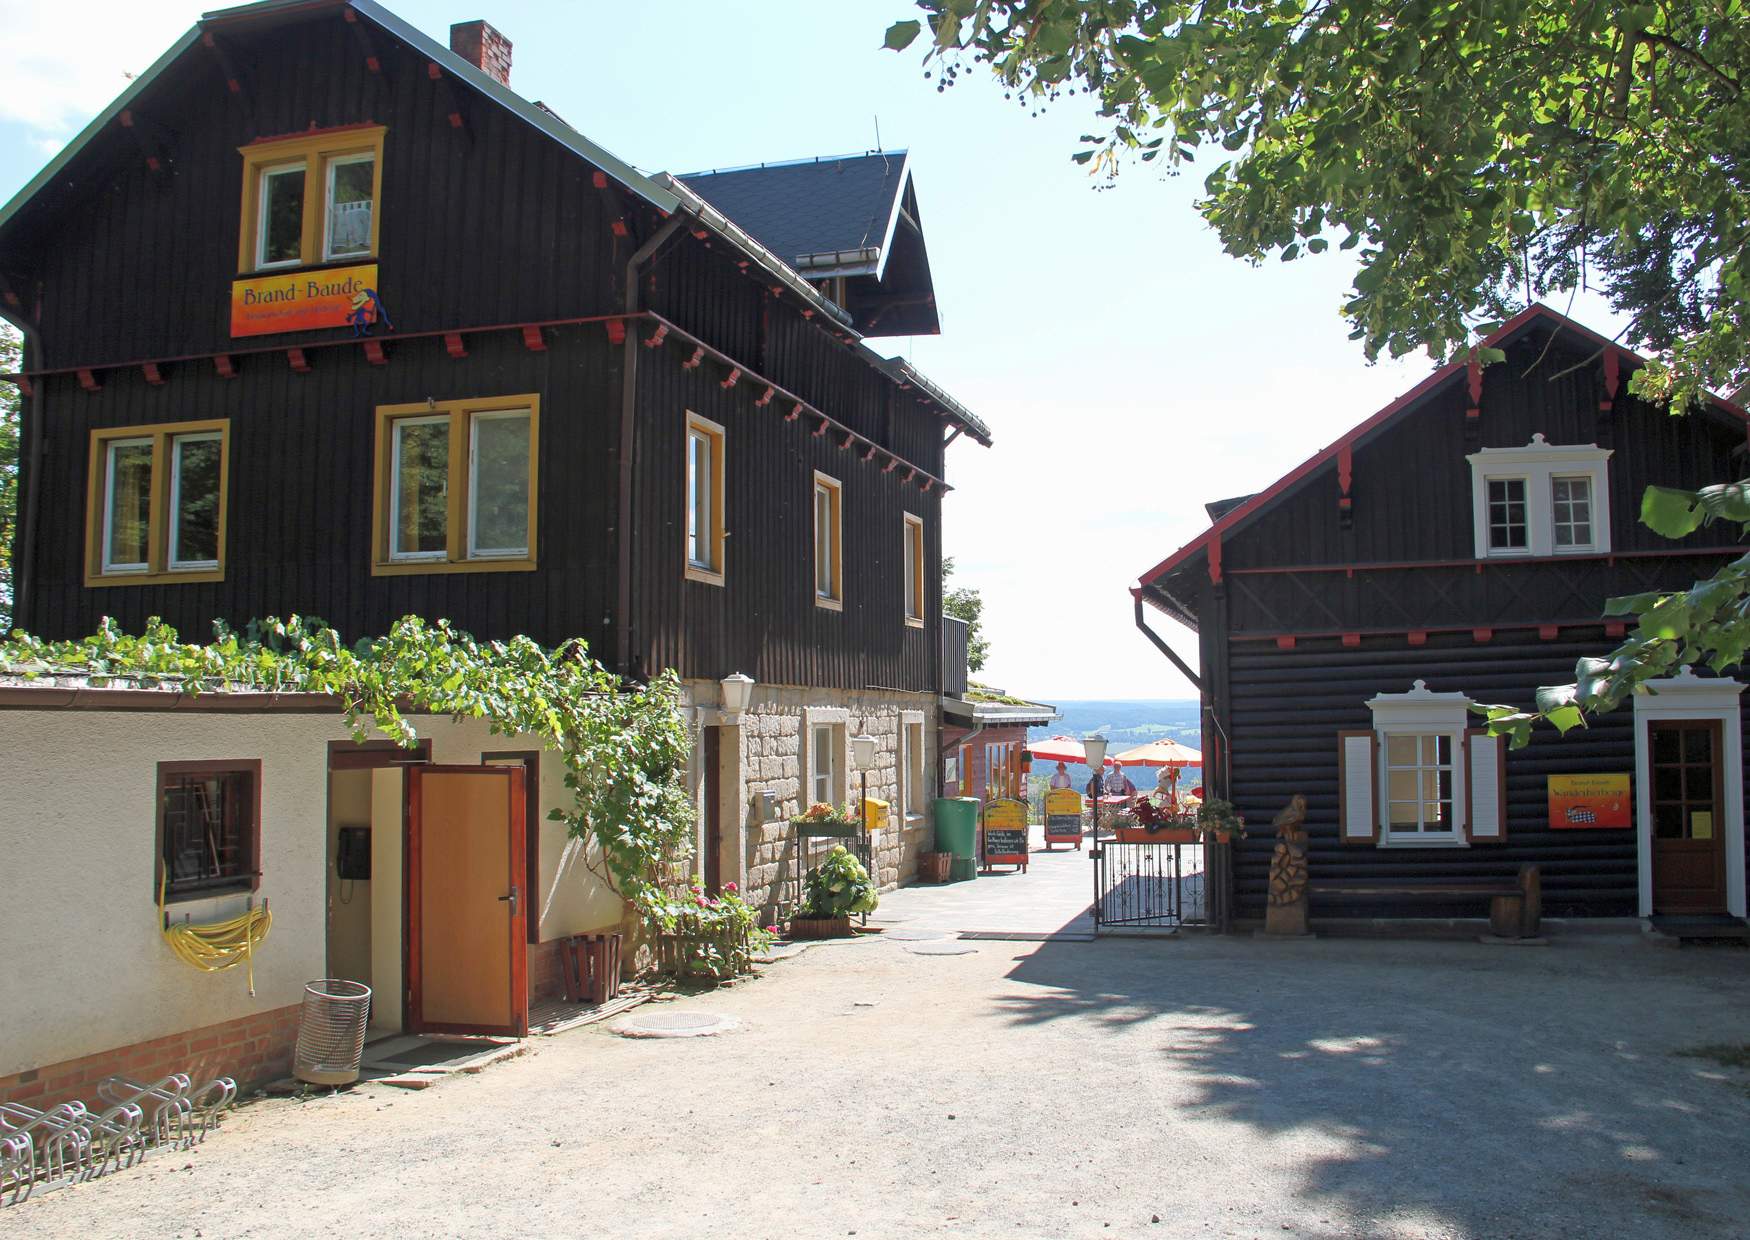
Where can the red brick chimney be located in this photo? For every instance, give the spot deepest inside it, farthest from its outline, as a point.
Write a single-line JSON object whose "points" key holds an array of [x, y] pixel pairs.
{"points": [[483, 47]]}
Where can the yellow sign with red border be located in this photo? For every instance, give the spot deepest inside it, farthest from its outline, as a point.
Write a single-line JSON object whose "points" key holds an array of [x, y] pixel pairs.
{"points": [[305, 301], [1589, 802]]}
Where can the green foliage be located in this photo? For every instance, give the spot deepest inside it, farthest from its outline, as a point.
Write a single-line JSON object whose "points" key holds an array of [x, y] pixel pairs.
{"points": [[624, 746], [1216, 816], [1476, 154], [10, 360], [966, 604], [712, 936], [838, 887]]}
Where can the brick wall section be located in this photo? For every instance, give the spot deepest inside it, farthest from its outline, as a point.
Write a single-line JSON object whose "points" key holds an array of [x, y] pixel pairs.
{"points": [[546, 972], [253, 1050]]}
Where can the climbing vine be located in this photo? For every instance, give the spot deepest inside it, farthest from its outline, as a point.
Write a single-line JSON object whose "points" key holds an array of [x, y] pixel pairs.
{"points": [[624, 745]]}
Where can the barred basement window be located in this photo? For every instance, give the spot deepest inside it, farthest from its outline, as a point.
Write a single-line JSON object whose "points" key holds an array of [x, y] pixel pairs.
{"points": [[209, 828]]}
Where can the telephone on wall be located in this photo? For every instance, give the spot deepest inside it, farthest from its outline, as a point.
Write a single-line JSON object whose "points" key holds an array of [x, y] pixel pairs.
{"points": [[352, 856]]}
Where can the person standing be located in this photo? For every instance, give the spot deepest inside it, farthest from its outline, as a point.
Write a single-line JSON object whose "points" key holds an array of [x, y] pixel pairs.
{"points": [[1117, 783], [1060, 778]]}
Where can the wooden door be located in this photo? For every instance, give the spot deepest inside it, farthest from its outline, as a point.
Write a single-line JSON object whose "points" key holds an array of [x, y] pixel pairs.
{"points": [[1688, 827], [711, 755], [467, 943]]}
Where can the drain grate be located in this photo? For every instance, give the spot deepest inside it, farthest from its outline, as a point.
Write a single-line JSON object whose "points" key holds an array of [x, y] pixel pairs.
{"points": [[425, 1054]]}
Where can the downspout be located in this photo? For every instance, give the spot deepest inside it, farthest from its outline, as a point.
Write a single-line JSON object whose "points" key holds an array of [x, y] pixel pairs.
{"points": [[641, 258], [29, 475]]}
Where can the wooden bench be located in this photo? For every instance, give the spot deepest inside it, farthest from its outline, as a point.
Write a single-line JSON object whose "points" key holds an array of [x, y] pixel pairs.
{"points": [[1515, 905]]}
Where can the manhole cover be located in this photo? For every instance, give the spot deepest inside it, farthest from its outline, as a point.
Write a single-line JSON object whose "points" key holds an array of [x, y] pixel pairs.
{"points": [[953, 947], [675, 1024], [913, 936]]}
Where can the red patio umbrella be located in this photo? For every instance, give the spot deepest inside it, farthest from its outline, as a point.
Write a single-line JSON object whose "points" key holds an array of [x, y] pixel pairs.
{"points": [[1059, 749]]}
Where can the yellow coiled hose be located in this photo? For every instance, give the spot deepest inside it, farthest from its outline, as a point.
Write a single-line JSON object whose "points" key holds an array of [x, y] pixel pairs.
{"points": [[220, 945]]}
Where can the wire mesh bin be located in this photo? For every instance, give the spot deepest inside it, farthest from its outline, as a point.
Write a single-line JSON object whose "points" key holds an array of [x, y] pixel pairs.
{"points": [[331, 1031]]}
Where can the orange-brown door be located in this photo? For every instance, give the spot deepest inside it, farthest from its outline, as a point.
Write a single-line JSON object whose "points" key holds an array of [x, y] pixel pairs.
{"points": [[467, 944], [1689, 827]]}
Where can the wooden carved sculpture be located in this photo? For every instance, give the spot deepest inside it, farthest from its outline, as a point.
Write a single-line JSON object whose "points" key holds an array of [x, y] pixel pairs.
{"points": [[1286, 912]]}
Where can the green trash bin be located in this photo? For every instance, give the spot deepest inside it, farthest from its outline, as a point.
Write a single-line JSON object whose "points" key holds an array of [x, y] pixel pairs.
{"points": [[957, 833]]}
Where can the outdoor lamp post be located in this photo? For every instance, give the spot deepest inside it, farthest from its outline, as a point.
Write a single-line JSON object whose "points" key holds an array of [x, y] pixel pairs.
{"points": [[737, 693], [863, 754], [1094, 751]]}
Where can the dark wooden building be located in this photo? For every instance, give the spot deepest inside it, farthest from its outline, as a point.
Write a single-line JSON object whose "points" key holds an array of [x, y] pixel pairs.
{"points": [[1457, 547], [321, 317]]}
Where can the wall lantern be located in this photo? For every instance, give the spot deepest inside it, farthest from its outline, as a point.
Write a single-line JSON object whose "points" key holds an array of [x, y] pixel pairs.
{"points": [[737, 693]]}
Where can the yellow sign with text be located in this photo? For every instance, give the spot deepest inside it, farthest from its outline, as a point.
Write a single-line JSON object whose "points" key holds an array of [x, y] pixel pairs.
{"points": [[305, 301], [1589, 802]]}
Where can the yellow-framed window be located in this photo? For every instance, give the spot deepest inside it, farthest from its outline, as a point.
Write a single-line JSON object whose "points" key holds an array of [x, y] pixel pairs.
{"points": [[914, 570], [829, 542], [311, 199], [456, 486], [155, 503], [705, 530]]}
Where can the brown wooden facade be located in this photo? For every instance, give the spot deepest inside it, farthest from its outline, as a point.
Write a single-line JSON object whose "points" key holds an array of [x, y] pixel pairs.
{"points": [[1359, 574], [503, 260]]}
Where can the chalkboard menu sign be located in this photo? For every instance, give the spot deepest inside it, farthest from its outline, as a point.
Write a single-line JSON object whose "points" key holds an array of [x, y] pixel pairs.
{"points": [[1005, 833], [1063, 816]]}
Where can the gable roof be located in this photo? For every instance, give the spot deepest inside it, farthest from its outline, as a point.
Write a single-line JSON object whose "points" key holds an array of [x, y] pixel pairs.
{"points": [[829, 215], [1244, 511], [665, 193]]}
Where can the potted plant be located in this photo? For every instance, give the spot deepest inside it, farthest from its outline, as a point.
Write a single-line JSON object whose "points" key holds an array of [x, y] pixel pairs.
{"points": [[1217, 820], [710, 936], [822, 815], [1158, 820], [835, 889]]}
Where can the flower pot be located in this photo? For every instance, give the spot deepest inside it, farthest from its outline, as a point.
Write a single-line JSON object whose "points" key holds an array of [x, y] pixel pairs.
{"points": [[1160, 835], [820, 927], [933, 866]]}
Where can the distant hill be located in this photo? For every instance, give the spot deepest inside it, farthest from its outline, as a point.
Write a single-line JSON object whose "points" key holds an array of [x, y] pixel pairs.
{"points": [[1126, 724]]}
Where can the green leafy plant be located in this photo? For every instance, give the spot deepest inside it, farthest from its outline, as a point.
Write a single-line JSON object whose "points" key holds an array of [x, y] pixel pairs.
{"points": [[1218, 817], [624, 745], [822, 814], [838, 887], [711, 935]]}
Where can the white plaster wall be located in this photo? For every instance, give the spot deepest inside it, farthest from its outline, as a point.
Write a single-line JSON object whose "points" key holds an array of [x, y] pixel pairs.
{"points": [[85, 968]]}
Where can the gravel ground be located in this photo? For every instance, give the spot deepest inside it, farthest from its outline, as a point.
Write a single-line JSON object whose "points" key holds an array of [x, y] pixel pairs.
{"points": [[1223, 1087]]}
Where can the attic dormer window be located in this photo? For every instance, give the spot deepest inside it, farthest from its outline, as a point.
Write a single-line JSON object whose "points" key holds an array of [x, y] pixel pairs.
{"points": [[311, 198], [1541, 500]]}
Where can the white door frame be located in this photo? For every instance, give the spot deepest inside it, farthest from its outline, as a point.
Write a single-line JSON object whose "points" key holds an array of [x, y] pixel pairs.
{"points": [[1688, 696]]}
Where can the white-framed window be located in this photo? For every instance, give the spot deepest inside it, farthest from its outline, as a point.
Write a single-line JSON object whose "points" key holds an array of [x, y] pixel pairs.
{"points": [[196, 475], [499, 448], [156, 503], [705, 500], [127, 505], [825, 754], [914, 763], [280, 230], [419, 488], [1421, 777], [820, 776], [352, 181], [1541, 500], [829, 498]]}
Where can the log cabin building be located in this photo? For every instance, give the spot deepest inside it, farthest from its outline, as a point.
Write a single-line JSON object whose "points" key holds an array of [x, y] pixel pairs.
{"points": [[1456, 547], [321, 317]]}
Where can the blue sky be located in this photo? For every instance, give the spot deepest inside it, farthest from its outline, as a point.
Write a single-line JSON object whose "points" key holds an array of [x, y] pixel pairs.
{"points": [[1129, 369]]}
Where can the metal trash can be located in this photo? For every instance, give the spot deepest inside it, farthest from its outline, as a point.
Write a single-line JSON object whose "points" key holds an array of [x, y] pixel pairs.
{"points": [[957, 833], [331, 1031]]}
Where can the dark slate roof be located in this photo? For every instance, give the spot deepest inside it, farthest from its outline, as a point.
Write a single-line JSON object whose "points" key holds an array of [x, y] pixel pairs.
{"points": [[810, 207]]}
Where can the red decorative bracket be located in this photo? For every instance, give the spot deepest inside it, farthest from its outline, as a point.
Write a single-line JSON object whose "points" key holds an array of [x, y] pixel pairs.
{"points": [[1285, 643], [453, 340], [618, 228], [1548, 632], [807, 313], [795, 412], [1482, 635], [1612, 376], [821, 429], [89, 382], [765, 397], [657, 337], [599, 179], [154, 376], [692, 363], [892, 464], [909, 475], [730, 380], [1352, 640], [24, 385], [225, 366], [533, 341], [616, 331], [298, 361], [870, 454], [928, 483], [374, 352], [1345, 467], [1418, 637], [1215, 560], [1474, 374], [1616, 628], [847, 441]]}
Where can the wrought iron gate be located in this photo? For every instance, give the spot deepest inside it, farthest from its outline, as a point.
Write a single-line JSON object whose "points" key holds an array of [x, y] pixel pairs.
{"points": [[1150, 884]]}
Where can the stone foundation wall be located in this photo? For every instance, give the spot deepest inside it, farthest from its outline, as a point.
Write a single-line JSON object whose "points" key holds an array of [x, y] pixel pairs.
{"points": [[767, 763]]}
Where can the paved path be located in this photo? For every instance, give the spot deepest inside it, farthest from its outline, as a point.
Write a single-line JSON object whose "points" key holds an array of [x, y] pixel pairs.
{"points": [[1050, 899]]}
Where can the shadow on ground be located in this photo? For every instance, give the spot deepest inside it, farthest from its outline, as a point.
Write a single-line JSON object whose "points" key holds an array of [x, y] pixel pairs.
{"points": [[1429, 1086]]}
